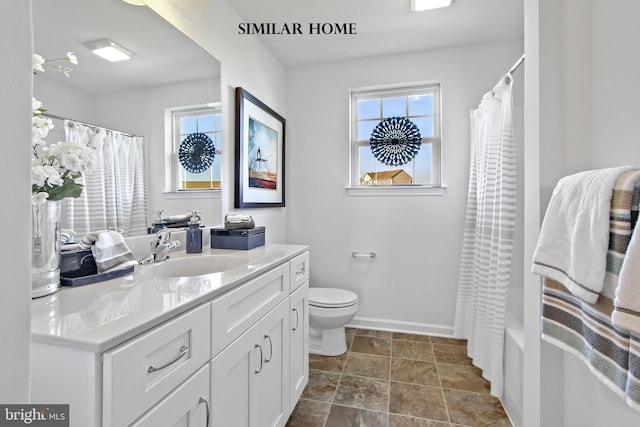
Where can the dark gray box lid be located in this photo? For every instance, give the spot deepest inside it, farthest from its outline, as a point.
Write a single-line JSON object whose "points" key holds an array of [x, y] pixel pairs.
{"points": [[219, 231]]}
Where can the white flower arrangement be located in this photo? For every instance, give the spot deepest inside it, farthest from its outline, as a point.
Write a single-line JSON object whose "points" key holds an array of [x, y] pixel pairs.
{"points": [[55, 167]]}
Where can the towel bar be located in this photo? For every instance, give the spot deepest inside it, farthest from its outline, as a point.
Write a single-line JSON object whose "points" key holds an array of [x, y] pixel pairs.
{"points": [[359, 255]]}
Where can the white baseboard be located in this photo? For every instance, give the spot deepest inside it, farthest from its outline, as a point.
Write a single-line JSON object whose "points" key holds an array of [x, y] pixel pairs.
{"points": [[401, 326]]}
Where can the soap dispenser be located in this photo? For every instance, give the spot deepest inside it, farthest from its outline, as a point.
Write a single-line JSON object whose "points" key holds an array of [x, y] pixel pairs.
{"points": [[194, 234], [158, 223]]}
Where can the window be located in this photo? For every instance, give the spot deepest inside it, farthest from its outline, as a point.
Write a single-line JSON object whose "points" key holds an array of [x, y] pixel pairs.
{"points": [[186, 123], [420, 105]]}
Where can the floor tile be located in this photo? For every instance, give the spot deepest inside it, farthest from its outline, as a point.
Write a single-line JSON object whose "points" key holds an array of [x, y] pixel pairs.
{"points": [[413, 350], [322, 385], [417, 401], [404, 421], [461, 377], [411, 337], [327, 363], [374, 334], [449, 341], [414, 371], [350, 336], [364, 393], [343, 416], [446, 353], [309, 413], [369, 345], [367, 365], [473, 409]]}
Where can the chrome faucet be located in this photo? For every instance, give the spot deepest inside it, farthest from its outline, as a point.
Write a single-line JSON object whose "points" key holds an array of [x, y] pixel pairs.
{"points": [[161, 247]]}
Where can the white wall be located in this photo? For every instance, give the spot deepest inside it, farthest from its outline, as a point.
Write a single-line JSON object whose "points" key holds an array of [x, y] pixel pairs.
{"points": [[245, 62], [61, 100], [588, 119], [411, 284], [15, 174]]}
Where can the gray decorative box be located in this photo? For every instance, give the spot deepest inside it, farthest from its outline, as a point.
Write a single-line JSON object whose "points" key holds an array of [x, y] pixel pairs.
{"points": [[222, 238]]}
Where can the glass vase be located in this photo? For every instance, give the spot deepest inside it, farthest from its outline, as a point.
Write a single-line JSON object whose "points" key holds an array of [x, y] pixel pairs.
{"points": [[45, 248]]}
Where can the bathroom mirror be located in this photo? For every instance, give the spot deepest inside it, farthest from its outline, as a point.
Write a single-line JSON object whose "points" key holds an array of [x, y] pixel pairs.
{"points": [[168, 70]]}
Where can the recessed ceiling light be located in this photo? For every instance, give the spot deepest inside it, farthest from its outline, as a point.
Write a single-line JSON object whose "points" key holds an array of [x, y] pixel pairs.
{"points": [[135, 2], [109, 50], [419, 5]]}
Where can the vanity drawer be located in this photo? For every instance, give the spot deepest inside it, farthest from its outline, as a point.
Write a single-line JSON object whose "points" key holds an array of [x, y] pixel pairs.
{"points": [[235, 312], [299, 270], [140, 372]]}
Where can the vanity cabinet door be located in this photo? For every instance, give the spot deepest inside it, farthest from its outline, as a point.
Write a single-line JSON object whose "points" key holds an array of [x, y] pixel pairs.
{"points": [[299, 343], [249, 379], [274, 378], [186, 406], [234, 395]]}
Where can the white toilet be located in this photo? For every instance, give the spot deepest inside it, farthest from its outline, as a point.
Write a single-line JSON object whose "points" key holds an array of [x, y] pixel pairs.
{"points": [[330, 309]]}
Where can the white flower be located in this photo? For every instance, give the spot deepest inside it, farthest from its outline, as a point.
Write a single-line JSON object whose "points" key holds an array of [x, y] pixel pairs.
{"points": [[39, 198], [40, 129], [38, 62], [69, 156], [71, 57], [36, 106], [53, 176], [38, 175]]}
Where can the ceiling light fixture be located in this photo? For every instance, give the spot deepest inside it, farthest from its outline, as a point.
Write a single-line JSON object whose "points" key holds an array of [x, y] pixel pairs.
{"points": [[109, 50], [419, 5]]}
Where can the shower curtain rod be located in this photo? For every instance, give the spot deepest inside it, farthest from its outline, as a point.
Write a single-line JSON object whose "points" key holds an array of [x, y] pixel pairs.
{"points": [[507, 76], [54, 116], [516, 65]]}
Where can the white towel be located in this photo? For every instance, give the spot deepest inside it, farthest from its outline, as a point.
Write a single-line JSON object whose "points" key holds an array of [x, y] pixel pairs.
{"points": [[238, 221], [626, 312], [574, 237], [109, 249]]}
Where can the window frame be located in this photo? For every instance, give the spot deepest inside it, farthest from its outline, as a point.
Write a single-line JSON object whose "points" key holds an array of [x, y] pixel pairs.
{"points": [[394, 91], [175, 140]]}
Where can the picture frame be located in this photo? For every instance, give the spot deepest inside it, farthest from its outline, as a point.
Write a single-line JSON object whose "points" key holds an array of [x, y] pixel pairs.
{"points": [[260, 154]]}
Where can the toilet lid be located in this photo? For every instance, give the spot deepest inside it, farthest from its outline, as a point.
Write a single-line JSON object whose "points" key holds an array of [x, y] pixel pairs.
{"points": [[331, 297]]}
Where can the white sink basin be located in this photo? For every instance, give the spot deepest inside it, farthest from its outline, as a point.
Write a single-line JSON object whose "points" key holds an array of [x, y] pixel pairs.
{"points": [[196, 265]]}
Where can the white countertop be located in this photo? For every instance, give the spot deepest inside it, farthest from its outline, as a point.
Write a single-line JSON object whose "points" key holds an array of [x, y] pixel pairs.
{"points": [[99, 316]]}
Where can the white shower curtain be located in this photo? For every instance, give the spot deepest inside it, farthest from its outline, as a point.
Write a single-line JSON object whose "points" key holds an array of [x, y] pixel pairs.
{"points": [[485, 264], [114, 193]]}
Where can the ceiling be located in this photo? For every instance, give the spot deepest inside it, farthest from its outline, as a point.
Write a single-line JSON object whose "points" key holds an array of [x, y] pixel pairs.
{"points": [[383, 26], [164, 55]]}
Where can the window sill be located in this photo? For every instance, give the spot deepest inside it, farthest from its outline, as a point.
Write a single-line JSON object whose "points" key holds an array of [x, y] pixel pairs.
{"points": [[397, 190], [192, 194]]}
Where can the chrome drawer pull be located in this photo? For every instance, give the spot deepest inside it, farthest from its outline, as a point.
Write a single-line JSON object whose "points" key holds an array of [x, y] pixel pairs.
{"points": [[183, 350], [301, 271], [257, 371], [206, 403], [270, 349], [297, 319]]}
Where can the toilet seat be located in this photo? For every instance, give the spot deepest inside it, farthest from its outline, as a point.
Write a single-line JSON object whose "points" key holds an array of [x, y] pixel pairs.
{"points": [[331, 297]]}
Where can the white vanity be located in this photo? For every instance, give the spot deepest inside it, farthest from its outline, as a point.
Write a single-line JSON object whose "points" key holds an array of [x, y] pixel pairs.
{"points": [[228, 347]]}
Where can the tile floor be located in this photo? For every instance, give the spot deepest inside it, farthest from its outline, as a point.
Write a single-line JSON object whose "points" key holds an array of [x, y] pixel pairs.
{"points": [[389, 379]]}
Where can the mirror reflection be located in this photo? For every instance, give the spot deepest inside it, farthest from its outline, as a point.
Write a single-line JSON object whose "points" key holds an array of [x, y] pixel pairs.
{"points": [[135, 103]]}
